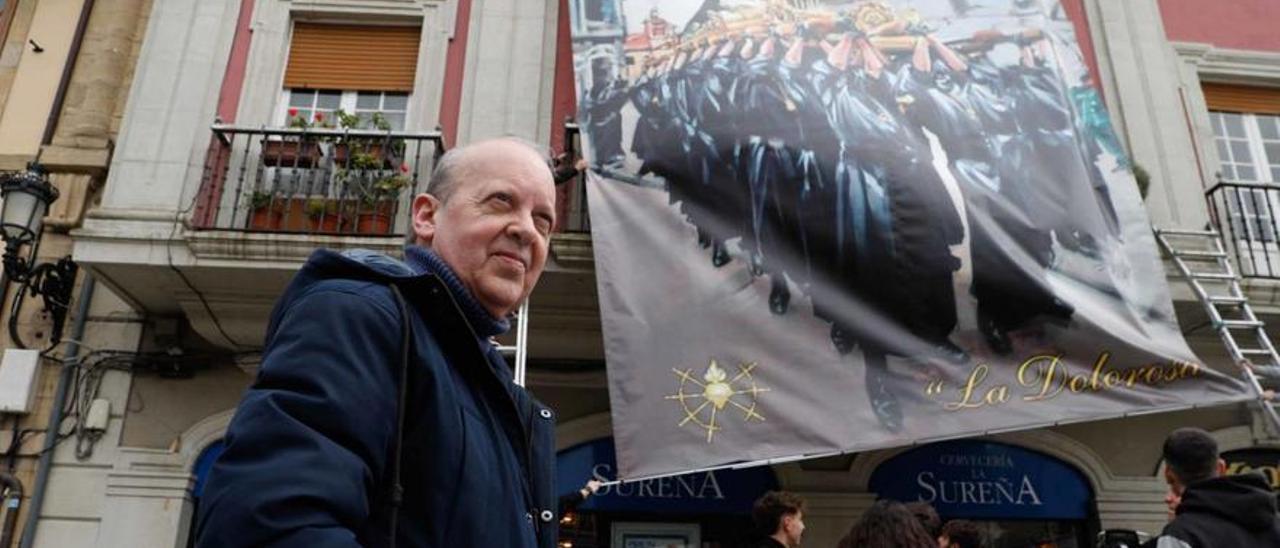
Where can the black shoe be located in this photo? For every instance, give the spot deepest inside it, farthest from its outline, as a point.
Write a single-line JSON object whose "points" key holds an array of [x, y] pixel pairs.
{"points": [[719, 255], [997, 338], [779, 296], [884, 403], [1061, 310], [842, 339]]}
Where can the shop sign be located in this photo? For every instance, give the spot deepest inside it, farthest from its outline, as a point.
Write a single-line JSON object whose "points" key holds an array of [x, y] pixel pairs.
{"points": [[984, 480], [717, 492], [1257, 460]]}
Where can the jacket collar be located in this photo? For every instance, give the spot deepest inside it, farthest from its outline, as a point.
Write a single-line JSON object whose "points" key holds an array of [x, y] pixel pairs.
{"points": [[424, 261]]}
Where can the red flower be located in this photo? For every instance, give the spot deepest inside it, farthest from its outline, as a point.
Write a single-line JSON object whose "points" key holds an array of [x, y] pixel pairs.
{"points": [[319, 116], [293, 112], [404, 168]]}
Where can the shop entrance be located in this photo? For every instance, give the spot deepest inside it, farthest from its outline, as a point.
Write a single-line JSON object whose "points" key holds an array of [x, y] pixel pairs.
{"points": [[1022, 498], [706, 509]]}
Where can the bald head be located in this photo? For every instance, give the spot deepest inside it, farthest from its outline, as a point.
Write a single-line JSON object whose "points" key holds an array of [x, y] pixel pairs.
{"points": [[453, 166]]}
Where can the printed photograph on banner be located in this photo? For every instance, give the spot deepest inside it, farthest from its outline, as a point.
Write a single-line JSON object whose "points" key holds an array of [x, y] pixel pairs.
{"points": [[826, 226]]}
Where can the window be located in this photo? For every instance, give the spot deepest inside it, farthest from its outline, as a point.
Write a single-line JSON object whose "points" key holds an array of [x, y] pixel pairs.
{"points": [[391, 105], [361, 69], [1248, 146], [1249, 152], [306, 103]]}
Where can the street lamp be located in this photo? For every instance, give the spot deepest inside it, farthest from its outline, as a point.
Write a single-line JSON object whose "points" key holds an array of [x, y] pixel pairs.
{"points": [[27, 195]]}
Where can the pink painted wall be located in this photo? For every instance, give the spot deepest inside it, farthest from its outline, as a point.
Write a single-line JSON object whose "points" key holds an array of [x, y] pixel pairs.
{"points": [[1234, 24], [233, 80]]}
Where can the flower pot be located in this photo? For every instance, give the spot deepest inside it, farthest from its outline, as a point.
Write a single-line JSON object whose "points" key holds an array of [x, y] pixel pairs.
{"points": [[302, 154], [373, 223], [265, 218], [293, 217], [376, 218], [326, 223]]}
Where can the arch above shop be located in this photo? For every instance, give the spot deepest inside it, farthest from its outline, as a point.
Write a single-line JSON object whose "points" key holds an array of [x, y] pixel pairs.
{"points": [[985, 479]]}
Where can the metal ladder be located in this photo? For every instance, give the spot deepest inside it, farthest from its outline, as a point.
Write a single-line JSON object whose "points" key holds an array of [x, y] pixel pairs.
{"points": [[520, 351], [1202, 259]]}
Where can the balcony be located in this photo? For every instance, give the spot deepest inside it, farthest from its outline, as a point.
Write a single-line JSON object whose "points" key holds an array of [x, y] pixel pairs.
{"points": [[1245, 214], [217, 239], [317, 182]]}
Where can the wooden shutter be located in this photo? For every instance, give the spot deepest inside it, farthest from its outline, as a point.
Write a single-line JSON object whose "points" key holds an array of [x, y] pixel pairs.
{"points": [[352, 57], [1244, 99]]}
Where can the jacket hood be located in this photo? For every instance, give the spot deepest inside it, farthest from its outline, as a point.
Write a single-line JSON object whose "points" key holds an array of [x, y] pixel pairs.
{"points": [[1245, 499]]}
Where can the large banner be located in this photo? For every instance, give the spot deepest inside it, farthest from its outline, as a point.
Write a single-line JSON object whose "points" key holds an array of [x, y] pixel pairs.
{"points": [[829, 226]]}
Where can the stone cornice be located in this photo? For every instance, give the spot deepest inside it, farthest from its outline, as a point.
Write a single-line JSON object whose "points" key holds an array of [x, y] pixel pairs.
{"points": [[1233, 66], [572, 251], [251, 246]]}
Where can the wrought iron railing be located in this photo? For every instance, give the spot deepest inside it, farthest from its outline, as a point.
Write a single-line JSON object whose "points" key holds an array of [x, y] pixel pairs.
{"points": [[1245, 213], [317, 181]]}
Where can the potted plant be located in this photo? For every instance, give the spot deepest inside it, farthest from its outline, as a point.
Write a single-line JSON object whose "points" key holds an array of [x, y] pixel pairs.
{"points": [[323, 214], [302, 152], [381, 152], [266, 212], [379, 201]]}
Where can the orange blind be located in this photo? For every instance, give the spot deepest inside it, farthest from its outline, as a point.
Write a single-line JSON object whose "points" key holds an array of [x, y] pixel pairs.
{"points": [[1233, 98], [352, 57]]}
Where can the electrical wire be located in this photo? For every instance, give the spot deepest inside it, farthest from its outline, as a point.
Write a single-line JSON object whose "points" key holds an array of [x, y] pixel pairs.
{"points": [[177, 218]]}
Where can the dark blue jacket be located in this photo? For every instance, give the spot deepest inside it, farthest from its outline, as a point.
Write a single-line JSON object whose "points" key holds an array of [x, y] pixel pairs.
{"points": [[308, 452]]}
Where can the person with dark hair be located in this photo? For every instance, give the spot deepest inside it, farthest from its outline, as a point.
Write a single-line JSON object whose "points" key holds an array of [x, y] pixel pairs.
{"points": [[887, 524], [927, 516], [779, 518], [1213, 509], [959, 533]]}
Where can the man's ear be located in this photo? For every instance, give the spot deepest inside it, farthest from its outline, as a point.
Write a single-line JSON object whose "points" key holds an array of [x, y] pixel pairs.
{"points": [[1222, 467], [426, 210]]}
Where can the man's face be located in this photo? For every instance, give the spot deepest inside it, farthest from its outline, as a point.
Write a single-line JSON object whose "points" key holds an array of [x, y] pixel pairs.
{"points": [[494, 230], [793, 528]]}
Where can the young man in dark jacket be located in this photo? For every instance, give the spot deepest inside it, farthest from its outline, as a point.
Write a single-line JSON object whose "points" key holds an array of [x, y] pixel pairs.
{"points": [[311, 455], [779, 519], [1213, 510]]}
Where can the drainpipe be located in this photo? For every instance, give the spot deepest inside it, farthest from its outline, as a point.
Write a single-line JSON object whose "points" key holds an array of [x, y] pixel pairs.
{"points": [[82, 312], [55, 417], [61, 95]]}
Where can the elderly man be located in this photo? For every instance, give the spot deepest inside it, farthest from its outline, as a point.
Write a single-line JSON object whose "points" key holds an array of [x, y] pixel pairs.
{"points": [[383, 415]]}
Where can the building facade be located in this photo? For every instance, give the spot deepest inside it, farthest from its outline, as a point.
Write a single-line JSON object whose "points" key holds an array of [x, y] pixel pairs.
{"points": [[215, 143]]}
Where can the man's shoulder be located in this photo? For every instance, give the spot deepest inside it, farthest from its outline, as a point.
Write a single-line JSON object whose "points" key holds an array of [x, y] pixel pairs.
{"points": [[362, 288]]}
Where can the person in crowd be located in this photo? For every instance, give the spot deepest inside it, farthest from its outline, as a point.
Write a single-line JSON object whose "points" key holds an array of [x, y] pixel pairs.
{"points": [[779, 519], [959, 533], [927, 516], [383, 413], [887, 524], [1212, 509]]}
